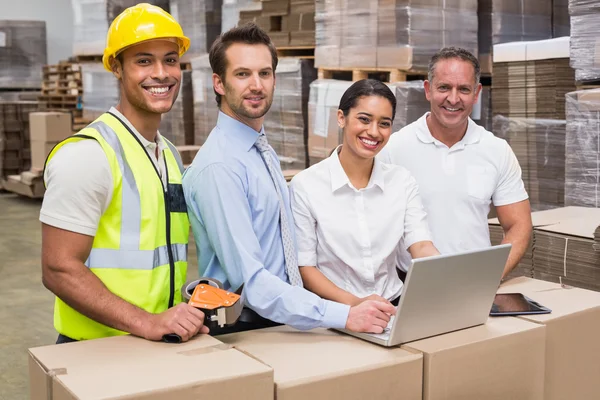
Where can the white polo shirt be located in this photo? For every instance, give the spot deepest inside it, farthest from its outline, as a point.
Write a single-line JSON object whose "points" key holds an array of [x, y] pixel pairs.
{"points": [[458, 184], [354, 236], [79, 182]]}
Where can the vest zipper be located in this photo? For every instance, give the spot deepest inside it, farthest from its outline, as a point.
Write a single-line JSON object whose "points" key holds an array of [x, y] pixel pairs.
{"points": [[167, 210], [168, 224]]}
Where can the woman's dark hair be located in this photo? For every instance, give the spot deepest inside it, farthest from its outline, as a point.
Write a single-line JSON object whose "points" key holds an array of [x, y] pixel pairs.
{"points": [[366, 87]]}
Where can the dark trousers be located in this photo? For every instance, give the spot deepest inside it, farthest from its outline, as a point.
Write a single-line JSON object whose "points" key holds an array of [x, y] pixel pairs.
{"points": [[64, 339], [249, 321]]}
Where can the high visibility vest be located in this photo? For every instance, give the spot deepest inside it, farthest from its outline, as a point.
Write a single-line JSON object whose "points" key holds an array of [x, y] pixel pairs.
{"points": [[140, 248]]}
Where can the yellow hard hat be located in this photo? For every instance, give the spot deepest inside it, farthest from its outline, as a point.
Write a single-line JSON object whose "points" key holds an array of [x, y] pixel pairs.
{"points": [[140, 23]]}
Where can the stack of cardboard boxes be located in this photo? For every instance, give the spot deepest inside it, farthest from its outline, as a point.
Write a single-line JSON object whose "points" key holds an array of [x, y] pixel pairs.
{"points": [[585, 39], [288, 22], [47, 130], [582, 164], [552, 356], [565, 251], [528, 97], [15, 155], [504, 21]]}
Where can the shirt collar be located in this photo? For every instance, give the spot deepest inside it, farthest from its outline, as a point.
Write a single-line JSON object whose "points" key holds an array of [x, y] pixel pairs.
{"points": [[240, 132], [471, 136], [145, 142], [339, 178]]}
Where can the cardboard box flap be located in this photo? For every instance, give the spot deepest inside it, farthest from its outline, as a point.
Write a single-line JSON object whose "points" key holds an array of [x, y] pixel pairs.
{"points": [[207, 371], [550, 217], [583, 226], [297, 356], [561, 301], [493, 328], [73, 355], [323, 364], [130, 367]]}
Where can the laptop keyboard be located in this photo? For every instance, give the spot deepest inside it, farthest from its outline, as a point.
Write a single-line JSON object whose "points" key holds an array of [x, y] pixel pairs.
{"points": [[386, 332]]}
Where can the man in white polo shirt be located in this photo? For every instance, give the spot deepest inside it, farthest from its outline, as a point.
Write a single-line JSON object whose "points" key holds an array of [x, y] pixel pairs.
{"points": [[460, 167]]}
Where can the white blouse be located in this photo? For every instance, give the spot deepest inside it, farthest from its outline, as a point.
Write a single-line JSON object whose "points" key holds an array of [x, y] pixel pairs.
{"points": [[353, 236]]}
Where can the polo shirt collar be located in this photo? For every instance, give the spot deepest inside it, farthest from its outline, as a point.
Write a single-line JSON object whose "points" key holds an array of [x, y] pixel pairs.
{"points": [[472, 136]]}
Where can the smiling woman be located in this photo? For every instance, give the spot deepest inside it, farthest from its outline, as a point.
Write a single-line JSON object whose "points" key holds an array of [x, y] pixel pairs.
{"points": [[353, 213]]}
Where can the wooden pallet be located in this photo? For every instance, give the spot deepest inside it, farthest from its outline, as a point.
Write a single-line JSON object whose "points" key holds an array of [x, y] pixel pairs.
{"points": [[83, 58], [62, 79], [304, 52], [382, 74]]}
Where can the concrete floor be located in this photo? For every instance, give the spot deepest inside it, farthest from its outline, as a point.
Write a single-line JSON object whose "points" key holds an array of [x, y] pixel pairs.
{"points": [[26, 307]]}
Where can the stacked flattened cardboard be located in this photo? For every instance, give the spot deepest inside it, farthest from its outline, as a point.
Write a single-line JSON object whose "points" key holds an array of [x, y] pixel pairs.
{"points": [[561, 22], [200, 21], [205, 105], [286, 122], [15, 153], [178, 124], [288, 22], [411, 103], [230, 12], [323, 131], [100, 90], [89, 26], [530, 82], [91, 19], [539, 145], [565, 251], [116, 7], [398, 34], [23, 52], [532, 78], [502, 21], [585, 39], [538, 219], [582, 165]]}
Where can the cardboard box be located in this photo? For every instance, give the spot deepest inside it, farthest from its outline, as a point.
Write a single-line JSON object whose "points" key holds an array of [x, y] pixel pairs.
{"points": [[298, 22], [302, 38], [275, 7], [39, 153], [502, 359], [127, 367], [302, 6], [49, 126], [323, 364], [572, 332]]}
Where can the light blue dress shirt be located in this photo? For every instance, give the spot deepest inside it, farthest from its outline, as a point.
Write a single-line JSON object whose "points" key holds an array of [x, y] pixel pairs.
{"points": [[234, 212]]}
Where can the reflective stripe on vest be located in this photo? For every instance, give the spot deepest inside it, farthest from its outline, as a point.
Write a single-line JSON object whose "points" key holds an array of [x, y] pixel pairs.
{"points": [[140, 247], [130, 221]]}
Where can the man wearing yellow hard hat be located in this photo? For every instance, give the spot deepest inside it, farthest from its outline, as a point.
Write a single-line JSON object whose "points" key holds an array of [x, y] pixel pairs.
{"points": [[114, 221]]}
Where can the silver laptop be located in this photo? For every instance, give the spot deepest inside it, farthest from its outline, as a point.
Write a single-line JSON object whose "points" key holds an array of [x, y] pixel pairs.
{"points": [[444, 294]]}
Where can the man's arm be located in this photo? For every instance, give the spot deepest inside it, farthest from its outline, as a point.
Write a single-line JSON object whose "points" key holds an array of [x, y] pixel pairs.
{"points": [[65, 274], [217, 199], [516, 222]]}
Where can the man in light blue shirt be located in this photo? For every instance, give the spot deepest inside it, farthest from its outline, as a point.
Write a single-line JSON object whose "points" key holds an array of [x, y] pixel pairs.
{"points": [[235, 198]]}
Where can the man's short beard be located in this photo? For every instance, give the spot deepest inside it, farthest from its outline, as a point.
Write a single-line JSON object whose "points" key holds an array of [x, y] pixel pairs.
{"points": [[241, 110]]}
